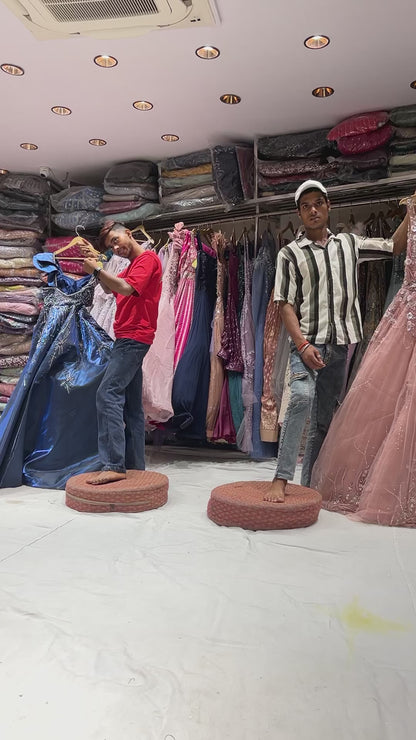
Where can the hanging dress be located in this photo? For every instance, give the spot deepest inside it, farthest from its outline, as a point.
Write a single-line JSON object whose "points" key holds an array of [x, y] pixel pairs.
{"points": [[191, 379], [230, 351], [244, 433], [263, 280], [184, 297], [104, 304], [367, 463], [158, 363], [216, 379], [48, 431]]}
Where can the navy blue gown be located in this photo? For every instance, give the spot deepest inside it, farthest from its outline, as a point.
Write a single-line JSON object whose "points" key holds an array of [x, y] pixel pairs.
{"points": [[48, 430], [191, 380]]}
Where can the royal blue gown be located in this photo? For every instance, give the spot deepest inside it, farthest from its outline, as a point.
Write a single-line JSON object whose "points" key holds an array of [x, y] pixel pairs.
{"points": [[48, 430]]}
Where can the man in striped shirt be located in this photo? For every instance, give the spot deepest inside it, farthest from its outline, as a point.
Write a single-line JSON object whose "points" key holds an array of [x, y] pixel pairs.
{"points": [[317, 289]]}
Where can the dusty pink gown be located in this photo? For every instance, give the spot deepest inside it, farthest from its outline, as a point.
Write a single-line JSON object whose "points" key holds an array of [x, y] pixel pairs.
{"points": [[367, 464]]}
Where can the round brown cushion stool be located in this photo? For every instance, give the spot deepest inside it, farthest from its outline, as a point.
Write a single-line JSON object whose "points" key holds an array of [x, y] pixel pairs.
{"points": [[241, 505], [140, 491]]}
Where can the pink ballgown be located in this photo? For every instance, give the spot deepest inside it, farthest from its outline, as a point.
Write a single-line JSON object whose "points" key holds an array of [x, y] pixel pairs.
{"points": [[367, 464]]}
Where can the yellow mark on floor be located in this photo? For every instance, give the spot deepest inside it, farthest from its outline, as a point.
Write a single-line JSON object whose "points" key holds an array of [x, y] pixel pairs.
{"points": [[358, 619], [355, 619]]}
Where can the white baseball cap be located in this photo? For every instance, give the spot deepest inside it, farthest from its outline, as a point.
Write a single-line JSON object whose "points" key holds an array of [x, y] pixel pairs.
{"points": [[309, 185]]}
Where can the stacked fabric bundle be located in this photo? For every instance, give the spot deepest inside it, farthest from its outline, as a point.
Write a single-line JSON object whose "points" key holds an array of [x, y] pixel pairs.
{"points": [[21, 230], [362, 142], [187, 181], [223, 174], [77, 206], [23, 202], [403, 144], [286, 160], [131, 193], [19, 309]]}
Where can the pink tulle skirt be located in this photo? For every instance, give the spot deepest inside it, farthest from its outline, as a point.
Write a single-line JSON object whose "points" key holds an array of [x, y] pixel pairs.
{"points": [[367, 464]]}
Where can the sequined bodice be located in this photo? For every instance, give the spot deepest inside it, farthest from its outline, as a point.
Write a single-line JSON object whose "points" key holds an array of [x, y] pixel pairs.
{"points": [[406, 296], [54, 297], [410, 261]]}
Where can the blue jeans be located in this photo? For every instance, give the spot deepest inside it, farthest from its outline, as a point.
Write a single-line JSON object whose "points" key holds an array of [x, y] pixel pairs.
{"points": [[313, 394], [121, 433]]}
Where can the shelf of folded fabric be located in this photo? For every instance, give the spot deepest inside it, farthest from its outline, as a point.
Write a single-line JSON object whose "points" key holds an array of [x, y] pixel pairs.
{"points": [[23, 218]]}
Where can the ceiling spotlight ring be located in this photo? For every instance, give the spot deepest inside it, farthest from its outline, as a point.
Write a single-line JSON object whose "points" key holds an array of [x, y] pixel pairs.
{"points": [[230, 99], [170, 137], [106, 61], [323, 92], [143, 105], [12, 69], [207, 52], [316, 42]]}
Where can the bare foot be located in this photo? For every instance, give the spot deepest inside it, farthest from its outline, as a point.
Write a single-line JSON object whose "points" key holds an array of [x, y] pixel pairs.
{"points": [[276, 493], [106, 476]]}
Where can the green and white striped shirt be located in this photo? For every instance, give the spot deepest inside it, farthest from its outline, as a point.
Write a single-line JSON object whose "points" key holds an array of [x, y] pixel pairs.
{"points": [[321, 283]]}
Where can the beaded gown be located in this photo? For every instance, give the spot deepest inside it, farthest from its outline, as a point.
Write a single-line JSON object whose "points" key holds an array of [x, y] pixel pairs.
{"points": [[367, 464], [48, 431]]}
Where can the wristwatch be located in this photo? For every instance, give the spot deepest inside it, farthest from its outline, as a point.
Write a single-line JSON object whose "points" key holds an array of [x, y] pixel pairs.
{"points": [[97, 272]]}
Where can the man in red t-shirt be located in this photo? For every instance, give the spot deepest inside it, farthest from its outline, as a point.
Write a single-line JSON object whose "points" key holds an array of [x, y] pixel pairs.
{"points": [[137, 289]]}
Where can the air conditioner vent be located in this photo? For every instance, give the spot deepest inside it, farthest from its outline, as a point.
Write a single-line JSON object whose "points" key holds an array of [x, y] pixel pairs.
{"points": [[110, 19], [74, 11]]}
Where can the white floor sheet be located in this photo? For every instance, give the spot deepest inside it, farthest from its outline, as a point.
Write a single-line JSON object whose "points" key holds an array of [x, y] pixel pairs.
{"points": [[164, 626]]}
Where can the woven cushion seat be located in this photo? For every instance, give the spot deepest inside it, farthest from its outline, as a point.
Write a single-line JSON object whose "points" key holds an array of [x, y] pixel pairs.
{"points": [[241, 505], [140, 491]]}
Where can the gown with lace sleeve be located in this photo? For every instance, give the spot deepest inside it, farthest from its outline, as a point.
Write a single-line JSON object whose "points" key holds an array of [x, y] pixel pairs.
{"points": [[367, 464]]}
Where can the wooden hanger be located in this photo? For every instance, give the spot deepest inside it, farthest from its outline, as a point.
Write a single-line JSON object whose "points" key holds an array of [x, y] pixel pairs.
{"points": [[351, 220], [288, 227], [243, 235], [370, 219], [72, 243], [403, 201], [144, 232]]}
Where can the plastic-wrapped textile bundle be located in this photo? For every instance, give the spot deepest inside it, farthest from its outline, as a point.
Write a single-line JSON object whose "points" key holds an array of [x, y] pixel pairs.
{"points": [[404, 116], [183, 181], [25, 187], [77, 198], [226, 172], [290, 146], [131, 192], [187, 181], [185, 161], [132, 178]]}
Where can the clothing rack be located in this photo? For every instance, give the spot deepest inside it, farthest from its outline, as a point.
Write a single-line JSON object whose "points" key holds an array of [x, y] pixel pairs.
{"points": [[358, 194]]}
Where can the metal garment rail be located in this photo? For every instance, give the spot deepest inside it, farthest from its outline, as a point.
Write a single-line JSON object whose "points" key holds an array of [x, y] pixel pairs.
{"points": [[260, 209]]}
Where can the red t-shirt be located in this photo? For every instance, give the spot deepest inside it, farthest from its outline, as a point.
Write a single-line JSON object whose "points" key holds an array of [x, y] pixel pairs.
{"points": [[136, 314]]}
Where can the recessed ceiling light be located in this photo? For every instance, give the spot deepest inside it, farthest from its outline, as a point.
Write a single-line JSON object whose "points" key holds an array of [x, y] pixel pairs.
{"points": [[316, 42], [61, 110], [142, 105], [13, 69], [230, 99], [413, 84], [97, 142], [104, 60], [4, 172], [29, 147], [323, 92], [207, 52], [170, 137]]}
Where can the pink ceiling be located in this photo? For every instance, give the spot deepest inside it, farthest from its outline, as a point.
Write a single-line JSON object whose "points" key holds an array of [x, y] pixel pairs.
{"points": [[370, 63]]}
